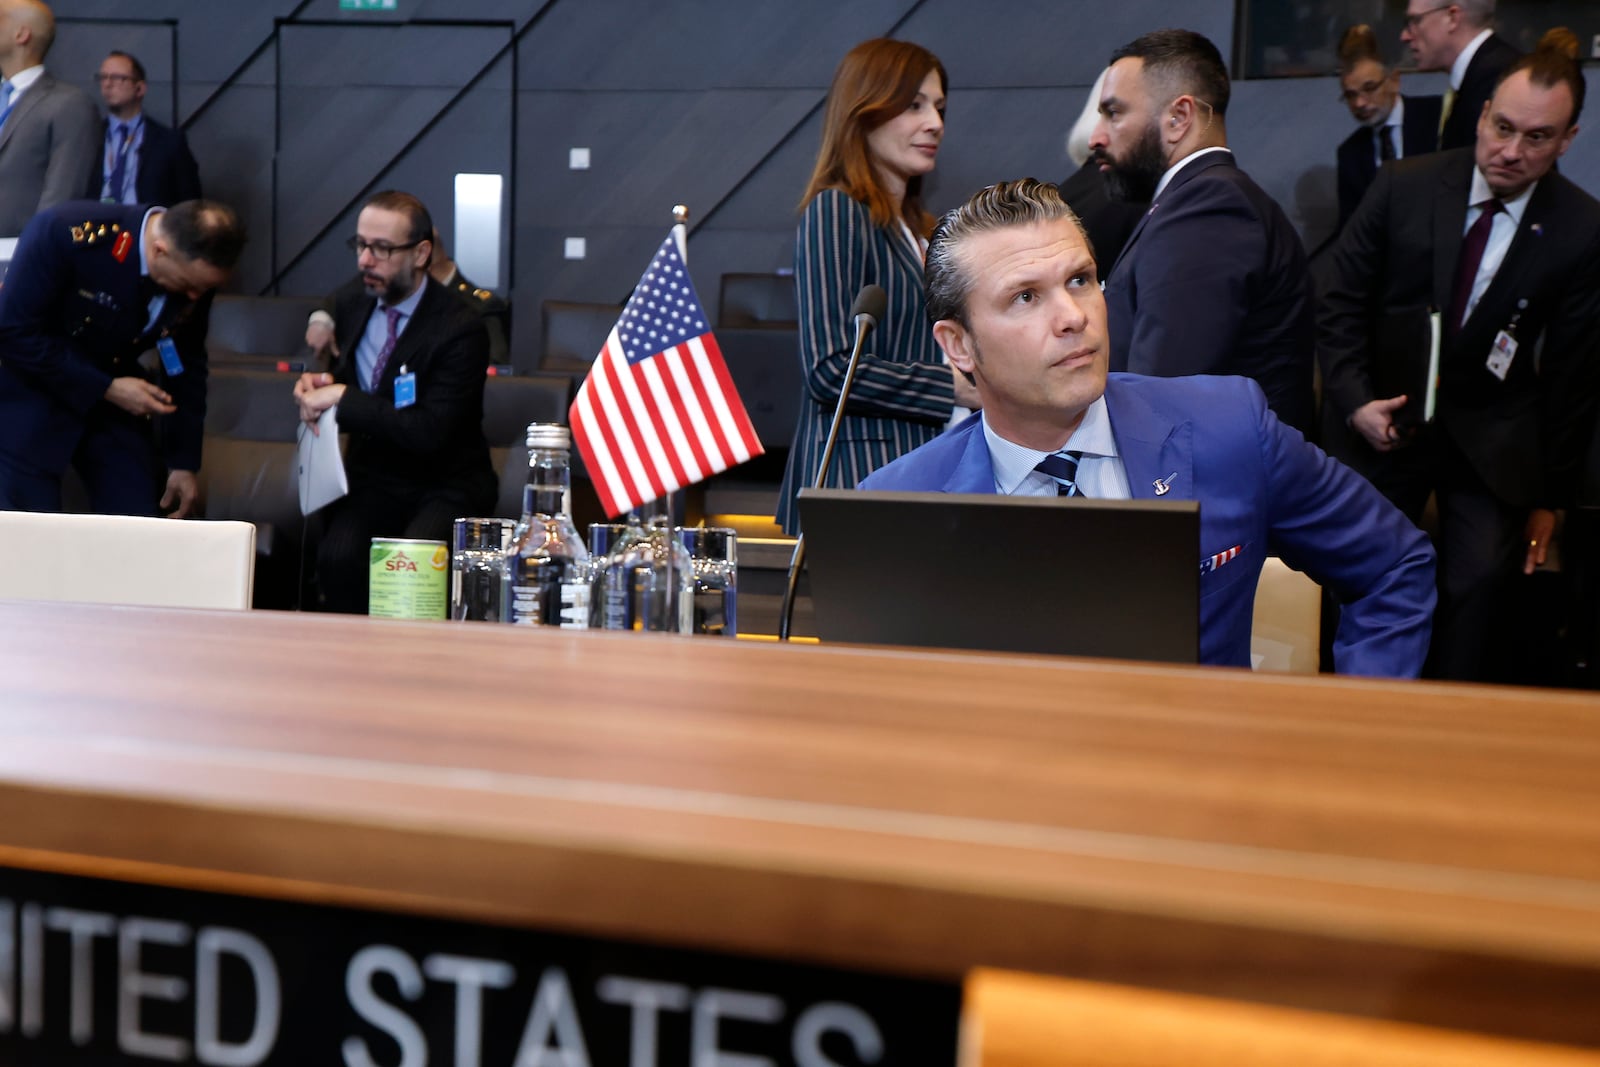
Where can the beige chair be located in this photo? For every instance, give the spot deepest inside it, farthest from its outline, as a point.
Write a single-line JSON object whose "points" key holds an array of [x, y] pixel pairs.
{"points": [[1286, 631], [121, 559]]}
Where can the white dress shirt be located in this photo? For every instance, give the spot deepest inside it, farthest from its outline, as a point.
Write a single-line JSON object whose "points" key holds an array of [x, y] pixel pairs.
{"points": [[1101, 474]]}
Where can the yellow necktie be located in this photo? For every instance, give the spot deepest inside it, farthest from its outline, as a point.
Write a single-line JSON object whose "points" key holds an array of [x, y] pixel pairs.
{"points": [[1444, 112]]}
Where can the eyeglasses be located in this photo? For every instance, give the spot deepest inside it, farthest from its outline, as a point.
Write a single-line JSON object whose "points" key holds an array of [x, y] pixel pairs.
{"points": [[1413, 21], [115, 77], [381, 250], [1350, 96]]}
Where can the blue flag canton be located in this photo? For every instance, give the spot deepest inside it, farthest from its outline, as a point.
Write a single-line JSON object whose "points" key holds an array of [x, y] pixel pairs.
{"points": [[663, 311]]}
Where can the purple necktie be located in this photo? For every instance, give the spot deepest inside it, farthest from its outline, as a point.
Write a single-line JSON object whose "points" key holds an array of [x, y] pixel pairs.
{"points": [[388, 347], [1471, 259]]}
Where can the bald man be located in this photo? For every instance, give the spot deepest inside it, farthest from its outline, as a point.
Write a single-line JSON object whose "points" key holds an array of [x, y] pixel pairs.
{"points": [[49, 130]]}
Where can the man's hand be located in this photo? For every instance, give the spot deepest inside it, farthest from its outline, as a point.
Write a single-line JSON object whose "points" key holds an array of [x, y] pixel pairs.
{"points": [[966, 393], [182, 491], [139, 397], [1538, 530], [319, 338], [1374, 421], [316, 393]]}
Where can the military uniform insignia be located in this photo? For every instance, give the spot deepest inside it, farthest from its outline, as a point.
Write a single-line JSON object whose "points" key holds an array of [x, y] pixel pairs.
{"points": [[119, 251], [78, 235], [481, 294]]}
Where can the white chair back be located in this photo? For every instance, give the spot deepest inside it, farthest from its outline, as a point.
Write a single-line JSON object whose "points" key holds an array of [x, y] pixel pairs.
{"points": [[123, 559]]}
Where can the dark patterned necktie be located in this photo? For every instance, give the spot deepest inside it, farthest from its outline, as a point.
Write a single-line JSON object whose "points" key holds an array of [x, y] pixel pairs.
{"points": [[1385, 143], [388, 348], [1063, 467]]}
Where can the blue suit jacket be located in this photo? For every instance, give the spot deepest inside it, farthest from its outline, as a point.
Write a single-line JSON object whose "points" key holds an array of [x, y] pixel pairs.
{"points": [[1214, 281], [1264, 491], [72, 317]]}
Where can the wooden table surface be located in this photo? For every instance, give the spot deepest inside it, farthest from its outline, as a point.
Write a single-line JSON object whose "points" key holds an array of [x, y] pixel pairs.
{"points": [[1421, 852]]}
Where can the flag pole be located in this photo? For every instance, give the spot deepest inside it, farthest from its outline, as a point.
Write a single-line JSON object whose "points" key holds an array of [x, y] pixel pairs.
{"points": [[677, 501]]}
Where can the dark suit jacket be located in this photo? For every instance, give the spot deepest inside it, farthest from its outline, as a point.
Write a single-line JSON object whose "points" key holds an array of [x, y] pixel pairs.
{"points": [[1477, 86], [1419, 133], [167, 173], [48, 143], [438, 441], [1214, 281], [1524, 436], [1262, 489], [72, 317]]}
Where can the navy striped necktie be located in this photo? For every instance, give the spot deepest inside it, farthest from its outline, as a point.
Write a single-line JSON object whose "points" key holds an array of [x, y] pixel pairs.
{"points": [[1063, 467]]}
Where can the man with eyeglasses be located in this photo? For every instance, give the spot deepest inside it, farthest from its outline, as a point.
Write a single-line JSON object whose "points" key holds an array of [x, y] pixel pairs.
{"points": [[1506, 253], [1213, 279], [144, 162], [49, 130], [1392, 126], [409, 363], [1458, 37]]}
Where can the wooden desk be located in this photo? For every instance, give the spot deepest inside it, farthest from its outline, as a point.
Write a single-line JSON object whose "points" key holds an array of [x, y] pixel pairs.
{"points": [[1417, 852]]}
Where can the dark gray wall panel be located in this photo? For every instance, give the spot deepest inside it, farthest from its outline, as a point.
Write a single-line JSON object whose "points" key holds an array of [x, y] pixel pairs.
{"points": [[991, 134], [1064, 42], [695, 44]]}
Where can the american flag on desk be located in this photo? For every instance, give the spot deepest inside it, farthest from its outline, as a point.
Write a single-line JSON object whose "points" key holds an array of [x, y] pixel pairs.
{"points": [[658, 410]]}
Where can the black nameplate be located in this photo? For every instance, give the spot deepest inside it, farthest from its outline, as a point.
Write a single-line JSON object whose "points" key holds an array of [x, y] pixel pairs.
{"points": [[103, 972]]}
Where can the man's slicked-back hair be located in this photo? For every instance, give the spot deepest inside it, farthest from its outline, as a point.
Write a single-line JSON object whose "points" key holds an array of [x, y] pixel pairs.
{"points": [[1012, 203], [205, 230], [1182, 61]]}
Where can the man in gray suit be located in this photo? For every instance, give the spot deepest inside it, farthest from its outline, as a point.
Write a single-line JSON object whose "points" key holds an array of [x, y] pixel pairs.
{"points": [[49, 130]]}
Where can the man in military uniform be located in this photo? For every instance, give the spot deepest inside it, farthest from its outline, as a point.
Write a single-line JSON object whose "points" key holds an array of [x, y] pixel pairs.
{"points": [[92, 287], [494, 311]]}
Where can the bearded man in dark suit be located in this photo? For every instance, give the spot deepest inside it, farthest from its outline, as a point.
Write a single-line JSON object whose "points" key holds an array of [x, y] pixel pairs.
{"points": [[1507, 253], [410, 358], [1213, 279]]}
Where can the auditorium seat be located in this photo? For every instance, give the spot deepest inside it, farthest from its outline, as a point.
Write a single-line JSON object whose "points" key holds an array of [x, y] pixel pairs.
{"points": [[256, 329], [125, 559]]}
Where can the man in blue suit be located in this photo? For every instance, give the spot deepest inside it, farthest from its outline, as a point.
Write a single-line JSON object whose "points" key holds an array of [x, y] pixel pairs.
{"points": [[1012, 292], [1213, 280], [144, 162], [91, 288]]}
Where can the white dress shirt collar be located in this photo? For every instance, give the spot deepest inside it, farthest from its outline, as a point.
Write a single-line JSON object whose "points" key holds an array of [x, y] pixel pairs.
{"points": [[24, 78], [1180, 164], [1013, 463]]}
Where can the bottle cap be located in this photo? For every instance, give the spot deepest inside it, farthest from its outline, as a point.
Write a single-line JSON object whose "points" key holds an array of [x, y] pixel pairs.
{"points": [[549, 435]]}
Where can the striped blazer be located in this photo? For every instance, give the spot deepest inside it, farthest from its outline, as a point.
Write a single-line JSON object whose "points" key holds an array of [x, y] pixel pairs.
{"points": [[903, 393]]}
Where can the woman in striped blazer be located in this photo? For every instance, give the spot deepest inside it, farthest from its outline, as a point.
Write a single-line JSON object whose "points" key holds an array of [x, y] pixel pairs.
{"points": [[863, 223]]}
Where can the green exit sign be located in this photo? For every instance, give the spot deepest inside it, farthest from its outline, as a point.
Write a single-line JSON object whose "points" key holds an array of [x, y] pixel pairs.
{"points": [[367, 5]]}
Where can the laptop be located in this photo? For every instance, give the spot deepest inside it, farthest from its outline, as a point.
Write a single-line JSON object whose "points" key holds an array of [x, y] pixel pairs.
{"points": [[1073, 576]]}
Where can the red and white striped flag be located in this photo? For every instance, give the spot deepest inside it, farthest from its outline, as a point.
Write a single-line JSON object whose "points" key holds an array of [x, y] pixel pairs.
{"points": [[658, 410]]}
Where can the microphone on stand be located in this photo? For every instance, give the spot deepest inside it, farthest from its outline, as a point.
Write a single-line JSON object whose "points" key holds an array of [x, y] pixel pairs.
{"points": [[872, 303]]}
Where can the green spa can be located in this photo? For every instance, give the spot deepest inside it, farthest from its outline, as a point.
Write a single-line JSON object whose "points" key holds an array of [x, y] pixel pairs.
{"points": [[408, 579]]}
